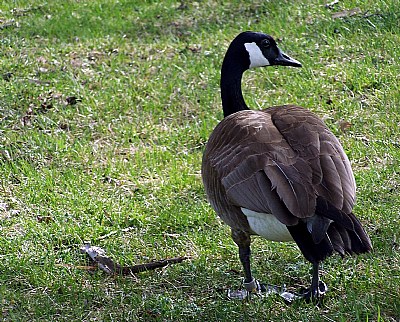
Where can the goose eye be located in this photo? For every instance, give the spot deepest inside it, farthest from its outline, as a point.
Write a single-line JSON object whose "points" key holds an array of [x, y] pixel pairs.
{"points": [[265, 43]]}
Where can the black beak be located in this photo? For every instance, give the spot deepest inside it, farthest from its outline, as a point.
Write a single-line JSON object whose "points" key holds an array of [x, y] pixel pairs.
{"points": [[285, 60]]}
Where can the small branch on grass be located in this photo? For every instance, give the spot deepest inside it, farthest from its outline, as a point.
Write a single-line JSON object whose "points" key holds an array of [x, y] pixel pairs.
{"points": [[346, 13], [106, 264], [354, 12], [367, 14], [20, 12], [8, 24]]}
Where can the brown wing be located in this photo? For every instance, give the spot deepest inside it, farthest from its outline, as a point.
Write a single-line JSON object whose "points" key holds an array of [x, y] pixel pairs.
{"points": [[276, 161], [332, 175]]}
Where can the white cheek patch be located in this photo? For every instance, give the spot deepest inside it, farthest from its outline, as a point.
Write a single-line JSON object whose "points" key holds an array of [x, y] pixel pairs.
{"points": [[257, 59]]}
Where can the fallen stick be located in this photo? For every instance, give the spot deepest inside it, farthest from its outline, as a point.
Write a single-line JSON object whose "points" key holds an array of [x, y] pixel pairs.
{"points": [[106, 264], [8, 24], [346, 13]]}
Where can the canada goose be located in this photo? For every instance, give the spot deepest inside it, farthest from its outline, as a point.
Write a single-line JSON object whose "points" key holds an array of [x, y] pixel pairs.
{"points": [[279, 173]]}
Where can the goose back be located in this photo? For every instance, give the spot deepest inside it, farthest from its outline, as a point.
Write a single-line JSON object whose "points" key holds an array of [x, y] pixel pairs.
{"points": [[276, 161]]}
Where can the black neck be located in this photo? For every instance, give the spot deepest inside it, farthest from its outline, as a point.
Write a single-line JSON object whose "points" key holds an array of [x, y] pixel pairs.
{"points": [[231, 88]]}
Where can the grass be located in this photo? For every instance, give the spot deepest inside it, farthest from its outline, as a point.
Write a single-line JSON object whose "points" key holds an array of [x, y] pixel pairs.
{"points": [[105, 108]]}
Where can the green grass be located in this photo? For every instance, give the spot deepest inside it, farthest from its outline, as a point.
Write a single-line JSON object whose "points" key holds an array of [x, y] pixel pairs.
{"points": [[125, 158]]}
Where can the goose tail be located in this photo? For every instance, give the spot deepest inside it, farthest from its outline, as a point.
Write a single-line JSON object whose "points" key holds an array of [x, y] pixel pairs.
{"points": [[330, 230]]}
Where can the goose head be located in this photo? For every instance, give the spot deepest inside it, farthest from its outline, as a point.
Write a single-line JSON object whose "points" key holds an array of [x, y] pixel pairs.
{"points": [[248, 50], [255, 49]]}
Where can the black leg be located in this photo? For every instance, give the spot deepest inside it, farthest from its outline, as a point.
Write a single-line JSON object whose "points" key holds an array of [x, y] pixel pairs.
{"points": [[315, 279], [317, 289], [243, 241]]}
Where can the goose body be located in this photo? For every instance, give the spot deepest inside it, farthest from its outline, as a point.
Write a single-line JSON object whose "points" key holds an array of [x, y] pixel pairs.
{"points": [[279, 173]]}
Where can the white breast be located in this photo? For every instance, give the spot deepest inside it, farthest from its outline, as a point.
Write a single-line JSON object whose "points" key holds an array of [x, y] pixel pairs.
{"points": [[267, 226]]}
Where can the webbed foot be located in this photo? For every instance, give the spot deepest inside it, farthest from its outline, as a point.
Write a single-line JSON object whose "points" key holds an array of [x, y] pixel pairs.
{"points": [[251, 288], [314, 294], [255, 288]]}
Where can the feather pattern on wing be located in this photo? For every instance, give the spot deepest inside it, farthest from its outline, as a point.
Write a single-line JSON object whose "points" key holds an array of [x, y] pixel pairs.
{"points": [[284, 161]]}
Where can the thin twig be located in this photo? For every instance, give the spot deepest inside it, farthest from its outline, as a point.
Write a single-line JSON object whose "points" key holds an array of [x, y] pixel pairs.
{"points": [[106, 264], [130, 270], [8, 24], [21, 12]]}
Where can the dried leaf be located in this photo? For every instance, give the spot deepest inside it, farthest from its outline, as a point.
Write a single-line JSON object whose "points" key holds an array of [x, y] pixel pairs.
{"points": [[26, 119], [64, 126], [44, 219], [72, 100], [195, 48], [344, 125], [7, 76]]}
